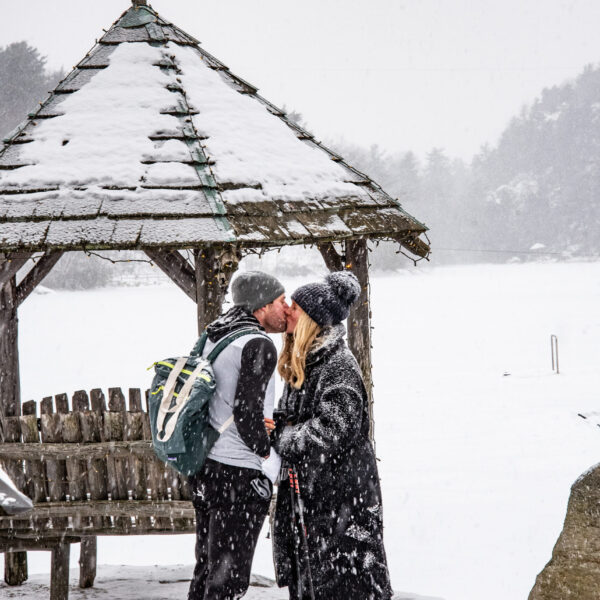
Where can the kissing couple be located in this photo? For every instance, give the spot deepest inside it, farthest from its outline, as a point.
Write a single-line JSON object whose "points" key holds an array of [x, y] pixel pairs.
{"points": [[327, 527]]}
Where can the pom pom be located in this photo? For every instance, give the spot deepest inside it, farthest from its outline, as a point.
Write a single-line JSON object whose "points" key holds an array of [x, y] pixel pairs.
{"points": [[344, 285]]}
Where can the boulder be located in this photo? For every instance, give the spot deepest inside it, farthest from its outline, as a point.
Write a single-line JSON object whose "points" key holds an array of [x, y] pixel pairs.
{"points": [[574, 569]]}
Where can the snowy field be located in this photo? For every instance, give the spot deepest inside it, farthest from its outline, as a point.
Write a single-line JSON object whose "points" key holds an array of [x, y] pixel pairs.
{"points": [[158, 583], [479, 441]]}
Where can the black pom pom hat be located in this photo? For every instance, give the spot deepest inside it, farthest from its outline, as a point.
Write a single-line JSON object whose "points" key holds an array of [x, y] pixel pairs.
{"points": [[328, 302]]}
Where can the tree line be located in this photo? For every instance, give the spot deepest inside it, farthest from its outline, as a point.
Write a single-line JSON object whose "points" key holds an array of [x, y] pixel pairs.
{"points": [[534, 195], [531, 196]]}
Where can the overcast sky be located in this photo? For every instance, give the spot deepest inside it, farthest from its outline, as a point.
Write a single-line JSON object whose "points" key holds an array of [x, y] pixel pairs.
{"points": [[404, 74]]}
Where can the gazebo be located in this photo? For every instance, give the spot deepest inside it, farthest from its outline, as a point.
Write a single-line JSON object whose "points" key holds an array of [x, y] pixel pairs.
{"points": [[152, 144]]}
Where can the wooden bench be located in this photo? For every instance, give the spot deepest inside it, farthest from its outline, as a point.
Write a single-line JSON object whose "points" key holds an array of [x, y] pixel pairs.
{"points": [[89, 471]]}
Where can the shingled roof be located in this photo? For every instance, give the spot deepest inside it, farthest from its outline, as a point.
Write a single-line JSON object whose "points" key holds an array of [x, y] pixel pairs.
{"points": [[152, 142]]}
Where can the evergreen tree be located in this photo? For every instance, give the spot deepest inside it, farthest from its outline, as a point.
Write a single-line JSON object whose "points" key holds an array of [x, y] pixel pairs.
{"points": [[407, 181], [24, 81]]}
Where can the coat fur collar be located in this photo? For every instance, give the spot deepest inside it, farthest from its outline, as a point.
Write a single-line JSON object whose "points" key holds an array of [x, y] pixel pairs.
{"points": [[329, 340]]}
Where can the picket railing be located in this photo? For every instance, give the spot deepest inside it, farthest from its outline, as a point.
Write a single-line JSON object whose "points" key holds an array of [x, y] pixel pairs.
{"points": [[89, 471]]}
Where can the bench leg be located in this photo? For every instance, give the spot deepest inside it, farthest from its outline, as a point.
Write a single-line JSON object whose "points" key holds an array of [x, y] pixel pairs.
{"points": [[59, 572], [15, 567], [87, 562]]}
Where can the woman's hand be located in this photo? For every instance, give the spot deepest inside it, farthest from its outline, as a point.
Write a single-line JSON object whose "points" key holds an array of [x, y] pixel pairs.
{"points": [[269, 425]]}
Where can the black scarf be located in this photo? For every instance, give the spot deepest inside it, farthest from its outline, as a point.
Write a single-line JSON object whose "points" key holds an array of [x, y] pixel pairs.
{"points": [[234, 319]]}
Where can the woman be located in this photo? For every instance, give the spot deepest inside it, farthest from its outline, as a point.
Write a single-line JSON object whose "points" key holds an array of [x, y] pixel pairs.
{"points": [[326, 441]]}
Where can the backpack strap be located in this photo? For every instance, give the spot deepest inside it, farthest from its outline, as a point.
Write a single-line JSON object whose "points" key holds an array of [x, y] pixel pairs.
{"points": [[199, 347], [182, 398], [231, 338]]}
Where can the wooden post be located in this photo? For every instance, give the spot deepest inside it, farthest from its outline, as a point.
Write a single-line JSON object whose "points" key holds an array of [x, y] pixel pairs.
{"points": [[59, 572], [87, 562], [214, 269], [10, 393], [15, 568], [359, 320], [10, 298], [15, 563]]}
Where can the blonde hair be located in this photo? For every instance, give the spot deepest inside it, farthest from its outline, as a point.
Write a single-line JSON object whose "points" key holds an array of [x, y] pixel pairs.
{"points": [[292, 360]]}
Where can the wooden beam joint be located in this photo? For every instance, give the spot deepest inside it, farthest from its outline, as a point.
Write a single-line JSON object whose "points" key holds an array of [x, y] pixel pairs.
{"points": [[37, 274], [176, 267], [10, 264], [330, 255], [215, 266]]}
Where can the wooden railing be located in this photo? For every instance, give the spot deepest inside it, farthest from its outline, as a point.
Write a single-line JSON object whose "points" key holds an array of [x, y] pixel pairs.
{"points": [[90, 470]]}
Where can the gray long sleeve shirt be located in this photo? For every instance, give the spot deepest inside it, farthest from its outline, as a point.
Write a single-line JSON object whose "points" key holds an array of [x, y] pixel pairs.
{"points": [[244, 372]]}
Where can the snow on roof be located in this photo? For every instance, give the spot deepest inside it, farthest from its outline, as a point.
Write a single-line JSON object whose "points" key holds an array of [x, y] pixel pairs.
{"points": [[103, 133], [152, 131]]}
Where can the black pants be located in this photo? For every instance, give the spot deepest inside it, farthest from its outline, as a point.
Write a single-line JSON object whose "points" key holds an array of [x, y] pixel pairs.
{"points": [[230, 512]]}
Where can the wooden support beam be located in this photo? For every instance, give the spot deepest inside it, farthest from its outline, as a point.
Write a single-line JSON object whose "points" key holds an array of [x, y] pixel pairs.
{"points": [[331, 257], [10, 391], [172, 264], [15, 568], [208, 291], [87, 562], [43, 266], [64, 451], [10, 265], [164, 526], [59, 572], [359, 320], [170, 509], [33, 542], [215, 267]]}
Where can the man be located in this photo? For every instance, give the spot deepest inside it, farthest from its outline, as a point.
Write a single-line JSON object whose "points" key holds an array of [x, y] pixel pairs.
{"points": [[230, 494]]}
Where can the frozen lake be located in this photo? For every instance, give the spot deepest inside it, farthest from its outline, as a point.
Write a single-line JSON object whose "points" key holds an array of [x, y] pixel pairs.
{"points": [[478, 440]]}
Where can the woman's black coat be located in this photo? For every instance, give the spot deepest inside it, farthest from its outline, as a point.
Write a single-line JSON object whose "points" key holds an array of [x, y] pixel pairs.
{"points": [[339, 484]]}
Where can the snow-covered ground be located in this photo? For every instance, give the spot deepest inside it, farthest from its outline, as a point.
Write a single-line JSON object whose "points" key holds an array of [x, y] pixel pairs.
{"points": [[158, 583], [479, 441]]}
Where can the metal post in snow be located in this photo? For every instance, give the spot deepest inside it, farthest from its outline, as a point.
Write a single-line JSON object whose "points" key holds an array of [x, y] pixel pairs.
{"points": [[554, 352]]}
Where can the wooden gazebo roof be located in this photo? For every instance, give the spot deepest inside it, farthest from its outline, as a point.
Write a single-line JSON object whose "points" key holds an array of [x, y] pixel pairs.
{"points": [[152, 142]]}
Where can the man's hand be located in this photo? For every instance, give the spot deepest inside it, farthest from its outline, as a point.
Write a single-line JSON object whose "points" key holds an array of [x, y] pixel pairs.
{"points": [[269, 425]]}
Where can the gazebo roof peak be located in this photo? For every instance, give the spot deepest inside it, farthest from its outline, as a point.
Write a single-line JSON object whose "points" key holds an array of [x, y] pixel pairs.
{"points": [[152, 142]]}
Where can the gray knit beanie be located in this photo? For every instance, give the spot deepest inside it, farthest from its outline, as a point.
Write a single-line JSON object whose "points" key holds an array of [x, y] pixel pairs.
{"points": [[254, 289], [328, 303]]}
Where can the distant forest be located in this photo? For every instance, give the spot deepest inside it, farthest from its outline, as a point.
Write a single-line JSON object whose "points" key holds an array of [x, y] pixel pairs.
{"points": [[532, 196]]}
